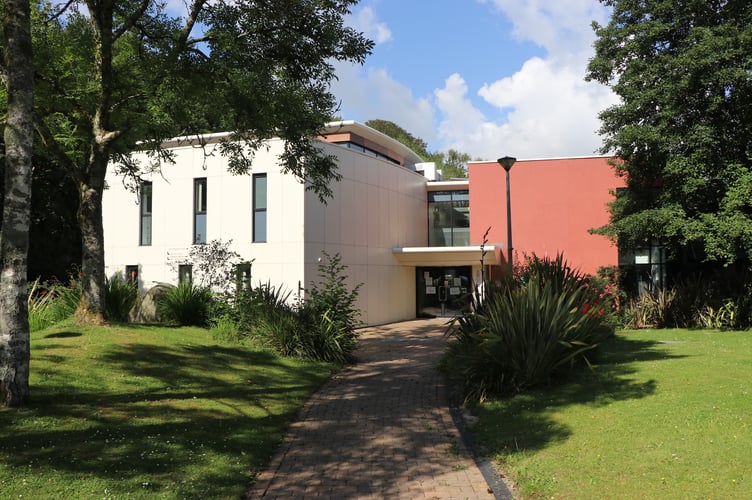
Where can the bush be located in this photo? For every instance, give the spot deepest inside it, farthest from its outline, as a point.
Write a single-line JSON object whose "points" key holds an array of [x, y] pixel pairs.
{"points": [[120, 296], [525, 336], [321, 327], [332, 297], [186, 305], [51, 302]]}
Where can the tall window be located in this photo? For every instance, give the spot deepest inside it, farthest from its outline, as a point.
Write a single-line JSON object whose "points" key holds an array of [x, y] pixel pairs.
{"points": [[145, 231], [448, 218], [199, 210], [259, 208]]}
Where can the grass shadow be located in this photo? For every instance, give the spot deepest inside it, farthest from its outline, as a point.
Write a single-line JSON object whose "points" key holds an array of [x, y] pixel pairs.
{"points": [[525, 422], [191, 420]]}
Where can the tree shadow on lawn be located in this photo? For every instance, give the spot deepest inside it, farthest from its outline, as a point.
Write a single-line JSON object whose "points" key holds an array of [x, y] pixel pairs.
{"points": [[524, 422], [217, 411]]}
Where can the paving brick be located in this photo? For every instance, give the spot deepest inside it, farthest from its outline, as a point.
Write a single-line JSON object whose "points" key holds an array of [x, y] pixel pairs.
{"points": [[379, 429]]}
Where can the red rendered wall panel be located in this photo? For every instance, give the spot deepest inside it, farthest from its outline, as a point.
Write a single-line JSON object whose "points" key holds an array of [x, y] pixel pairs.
{"points": [[554, 204]]}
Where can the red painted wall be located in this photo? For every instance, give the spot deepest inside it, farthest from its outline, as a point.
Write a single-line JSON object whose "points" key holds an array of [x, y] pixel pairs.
{"points": [[554, 204]]}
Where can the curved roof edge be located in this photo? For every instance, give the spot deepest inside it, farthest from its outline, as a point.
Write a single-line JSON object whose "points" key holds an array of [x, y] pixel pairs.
{"points": [[373, 135]]}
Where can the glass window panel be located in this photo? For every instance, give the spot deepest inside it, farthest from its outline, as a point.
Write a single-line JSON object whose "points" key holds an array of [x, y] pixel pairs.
{"points": [[259, 191], [146, 230], [199, 235], [259, 226]]}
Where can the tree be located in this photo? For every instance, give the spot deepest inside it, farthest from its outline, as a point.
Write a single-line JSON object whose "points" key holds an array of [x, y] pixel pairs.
{"points": [[14, 234], [113, 77], [682, 133], [453, 164]]}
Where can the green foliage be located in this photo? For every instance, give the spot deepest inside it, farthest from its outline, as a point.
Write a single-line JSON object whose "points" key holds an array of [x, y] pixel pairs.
{"points": [[51, 302], [332, 296], [683, 128], [656, 309], [213, 264], [186, 305], [521, 337], [120, 296], [320, 327], [118, 77]]}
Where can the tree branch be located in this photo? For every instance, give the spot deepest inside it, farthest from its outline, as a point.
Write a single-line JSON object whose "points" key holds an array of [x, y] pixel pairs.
{"points": [[131, 20], [190, 22]]}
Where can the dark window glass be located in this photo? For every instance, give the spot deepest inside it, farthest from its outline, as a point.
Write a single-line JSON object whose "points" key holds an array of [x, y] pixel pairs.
{"points": [[448, 218]]}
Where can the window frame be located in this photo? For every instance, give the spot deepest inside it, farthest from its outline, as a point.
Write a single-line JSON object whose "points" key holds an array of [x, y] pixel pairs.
{"points": [[145, 213], [259, 232], [200, 202]]}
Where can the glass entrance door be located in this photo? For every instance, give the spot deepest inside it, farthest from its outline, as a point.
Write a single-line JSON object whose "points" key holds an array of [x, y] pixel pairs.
{"points": [[442, 291]]}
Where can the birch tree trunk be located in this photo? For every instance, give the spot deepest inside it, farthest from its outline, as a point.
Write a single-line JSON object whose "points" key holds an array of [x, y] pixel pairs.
{"points": [[14, 234]]}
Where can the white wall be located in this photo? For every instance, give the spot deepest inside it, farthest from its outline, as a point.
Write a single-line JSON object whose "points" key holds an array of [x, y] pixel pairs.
{"points": [[377, 206]]}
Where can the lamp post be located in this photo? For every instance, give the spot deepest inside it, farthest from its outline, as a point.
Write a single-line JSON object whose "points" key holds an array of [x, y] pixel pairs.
{"points": [[506, 163]]}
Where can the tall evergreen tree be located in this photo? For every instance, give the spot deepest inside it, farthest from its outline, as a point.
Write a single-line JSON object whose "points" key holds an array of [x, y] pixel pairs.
{"points": [[683, 129]]}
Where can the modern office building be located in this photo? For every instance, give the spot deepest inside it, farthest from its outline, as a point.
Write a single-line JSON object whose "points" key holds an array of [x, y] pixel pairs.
{"points": [[413, 240]]}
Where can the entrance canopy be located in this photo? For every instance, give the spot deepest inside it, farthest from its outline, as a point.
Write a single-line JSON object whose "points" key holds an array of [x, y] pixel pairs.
{"points": [[446, 256]]}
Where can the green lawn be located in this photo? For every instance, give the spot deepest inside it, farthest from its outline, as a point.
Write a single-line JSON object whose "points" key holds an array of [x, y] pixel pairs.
{"points": [[147, 412], [665, 414]]}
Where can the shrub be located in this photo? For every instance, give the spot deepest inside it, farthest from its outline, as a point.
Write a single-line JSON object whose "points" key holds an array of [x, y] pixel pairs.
{"points": [[120, 296], [51, 302], [321, 327], [524, 336], [186, 305], [331, 295]]}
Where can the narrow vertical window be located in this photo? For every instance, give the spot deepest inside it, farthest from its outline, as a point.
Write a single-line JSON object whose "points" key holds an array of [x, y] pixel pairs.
{"points": [[185, 274], [199, 211], [145, 231], [259, 208]]}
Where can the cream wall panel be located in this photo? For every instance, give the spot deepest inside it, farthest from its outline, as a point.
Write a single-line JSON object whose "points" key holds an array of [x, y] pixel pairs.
{"points": [[378, 205]]}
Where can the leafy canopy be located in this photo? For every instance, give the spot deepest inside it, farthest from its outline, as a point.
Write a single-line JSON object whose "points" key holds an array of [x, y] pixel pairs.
{"points": [[683, 129]]}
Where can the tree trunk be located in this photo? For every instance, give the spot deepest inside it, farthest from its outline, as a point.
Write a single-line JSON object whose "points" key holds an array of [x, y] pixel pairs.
{"points": [[14, 234], [91, 307]]}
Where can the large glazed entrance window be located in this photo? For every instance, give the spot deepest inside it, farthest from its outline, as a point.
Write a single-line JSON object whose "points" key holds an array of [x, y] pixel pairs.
{"points": [[442, 291], [448, 218]]}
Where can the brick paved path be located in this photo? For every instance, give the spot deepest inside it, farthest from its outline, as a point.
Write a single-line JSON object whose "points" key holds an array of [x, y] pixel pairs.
{"points": [[380, 429]]}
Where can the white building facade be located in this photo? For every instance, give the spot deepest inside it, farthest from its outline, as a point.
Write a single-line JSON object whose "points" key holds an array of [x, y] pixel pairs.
{"points": [[376, 220]]}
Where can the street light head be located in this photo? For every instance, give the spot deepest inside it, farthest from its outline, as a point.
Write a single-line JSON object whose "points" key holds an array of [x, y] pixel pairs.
{"points": [[506, 162]]}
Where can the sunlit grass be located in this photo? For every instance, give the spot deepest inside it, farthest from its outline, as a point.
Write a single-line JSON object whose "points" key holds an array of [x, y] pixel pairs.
{"points": [[148, 412], [665, 414]]}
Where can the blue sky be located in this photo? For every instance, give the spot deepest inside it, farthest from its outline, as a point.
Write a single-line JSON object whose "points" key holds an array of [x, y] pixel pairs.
{"points": [[486, 77]]}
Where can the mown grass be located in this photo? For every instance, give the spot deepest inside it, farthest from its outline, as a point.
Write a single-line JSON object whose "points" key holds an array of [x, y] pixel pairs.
{"points": [[136, 411], [665, 414]]}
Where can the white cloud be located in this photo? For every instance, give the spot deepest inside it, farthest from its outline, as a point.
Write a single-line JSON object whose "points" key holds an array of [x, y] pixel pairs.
{"points": [[372, 93], [544, 109], [365, 20], [551, 112], [548, 108]]}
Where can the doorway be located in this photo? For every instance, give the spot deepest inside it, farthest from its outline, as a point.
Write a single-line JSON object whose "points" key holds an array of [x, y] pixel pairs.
{"points": [[442, 291]]}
